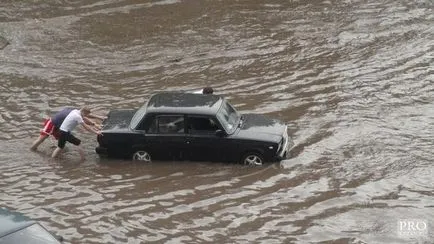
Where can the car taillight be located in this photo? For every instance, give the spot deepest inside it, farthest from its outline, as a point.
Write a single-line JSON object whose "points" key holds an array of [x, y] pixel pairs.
{"points": [[99, 138]]}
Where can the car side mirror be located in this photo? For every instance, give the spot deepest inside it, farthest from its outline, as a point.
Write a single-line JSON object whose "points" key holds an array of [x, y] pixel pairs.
{"points": [[220, 133]]}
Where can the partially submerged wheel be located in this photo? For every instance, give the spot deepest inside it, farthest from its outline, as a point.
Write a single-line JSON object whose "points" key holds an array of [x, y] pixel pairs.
{"points": [[253, 159], [142, 155]]}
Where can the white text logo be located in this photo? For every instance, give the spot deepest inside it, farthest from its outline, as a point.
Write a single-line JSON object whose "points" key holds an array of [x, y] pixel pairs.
{"points": [[412, 228]]}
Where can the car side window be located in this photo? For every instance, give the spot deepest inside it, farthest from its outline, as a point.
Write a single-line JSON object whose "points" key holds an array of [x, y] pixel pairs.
{"points": [[167, 124], [202, 125]]}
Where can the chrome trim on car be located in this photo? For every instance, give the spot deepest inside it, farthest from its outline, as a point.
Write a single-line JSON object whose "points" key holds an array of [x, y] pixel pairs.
{"points": [[279, 146]]}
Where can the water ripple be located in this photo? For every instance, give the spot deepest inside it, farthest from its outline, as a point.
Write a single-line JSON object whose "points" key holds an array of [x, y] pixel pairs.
{"points": [[352, 80]]}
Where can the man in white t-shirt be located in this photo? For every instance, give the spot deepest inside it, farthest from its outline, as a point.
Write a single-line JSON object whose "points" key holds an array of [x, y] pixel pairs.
{"points": [[74, 118]]}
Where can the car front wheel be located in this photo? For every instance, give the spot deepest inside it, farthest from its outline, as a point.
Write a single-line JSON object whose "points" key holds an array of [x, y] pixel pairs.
{"points": [[142, 155], [253, 159]]}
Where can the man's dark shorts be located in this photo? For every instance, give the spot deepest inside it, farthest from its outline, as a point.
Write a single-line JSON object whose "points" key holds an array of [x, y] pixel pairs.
{"points": [[67, 137]]}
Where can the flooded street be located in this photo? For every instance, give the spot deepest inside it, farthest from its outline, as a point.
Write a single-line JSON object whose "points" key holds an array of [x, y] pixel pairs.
{"points": [[353, 80]]}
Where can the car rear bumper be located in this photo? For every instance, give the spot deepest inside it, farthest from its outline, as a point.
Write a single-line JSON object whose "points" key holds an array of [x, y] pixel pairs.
{"points": [[101, 150]]}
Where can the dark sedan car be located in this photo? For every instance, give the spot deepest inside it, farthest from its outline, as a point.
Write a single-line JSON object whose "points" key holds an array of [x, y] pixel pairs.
{"points": [[196, 127]]}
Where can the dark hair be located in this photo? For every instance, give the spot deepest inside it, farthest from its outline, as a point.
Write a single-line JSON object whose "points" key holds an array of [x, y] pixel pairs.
{"points": [[208, 90]]}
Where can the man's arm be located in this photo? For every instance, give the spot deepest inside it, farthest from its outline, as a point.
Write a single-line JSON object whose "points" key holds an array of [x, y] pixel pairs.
{"points": [[92, 123], [88, 121], [96, 116], [90, 128]]}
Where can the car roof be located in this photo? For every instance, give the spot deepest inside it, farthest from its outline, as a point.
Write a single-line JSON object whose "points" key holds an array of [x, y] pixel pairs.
{"points": [[186, 103], [12, 221]]}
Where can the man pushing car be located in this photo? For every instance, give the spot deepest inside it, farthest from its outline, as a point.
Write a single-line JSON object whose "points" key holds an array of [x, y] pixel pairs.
{"points": [[52, 125], [74, 118]]}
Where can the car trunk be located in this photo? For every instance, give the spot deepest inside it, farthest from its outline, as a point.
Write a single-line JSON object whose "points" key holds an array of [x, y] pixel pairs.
{"points": [[117, 123], [118, 120]]}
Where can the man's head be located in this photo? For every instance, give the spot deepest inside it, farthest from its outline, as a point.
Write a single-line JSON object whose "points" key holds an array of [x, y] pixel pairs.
{"points": [[85, 111], [208, 90]]}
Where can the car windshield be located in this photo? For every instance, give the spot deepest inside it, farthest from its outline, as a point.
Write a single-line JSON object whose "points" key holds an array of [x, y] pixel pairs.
{"points": [[137, 117], [228, 117]]}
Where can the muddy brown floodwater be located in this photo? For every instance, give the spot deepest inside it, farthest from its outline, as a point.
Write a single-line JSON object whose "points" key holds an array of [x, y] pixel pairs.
{"points": [[354, 81]]}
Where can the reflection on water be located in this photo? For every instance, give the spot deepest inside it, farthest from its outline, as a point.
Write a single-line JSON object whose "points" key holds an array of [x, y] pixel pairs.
{"points": [[353, 81]]}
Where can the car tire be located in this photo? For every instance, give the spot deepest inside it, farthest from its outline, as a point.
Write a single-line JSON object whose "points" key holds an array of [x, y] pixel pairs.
{"points": [[253, 159], [141, 155]]}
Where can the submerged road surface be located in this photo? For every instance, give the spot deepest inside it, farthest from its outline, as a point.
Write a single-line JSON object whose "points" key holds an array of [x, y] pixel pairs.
{"points": [[352, 79]]}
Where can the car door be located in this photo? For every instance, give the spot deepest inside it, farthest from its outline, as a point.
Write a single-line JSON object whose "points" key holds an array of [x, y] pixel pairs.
{"points": [[203, 143], [165, 137]]}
